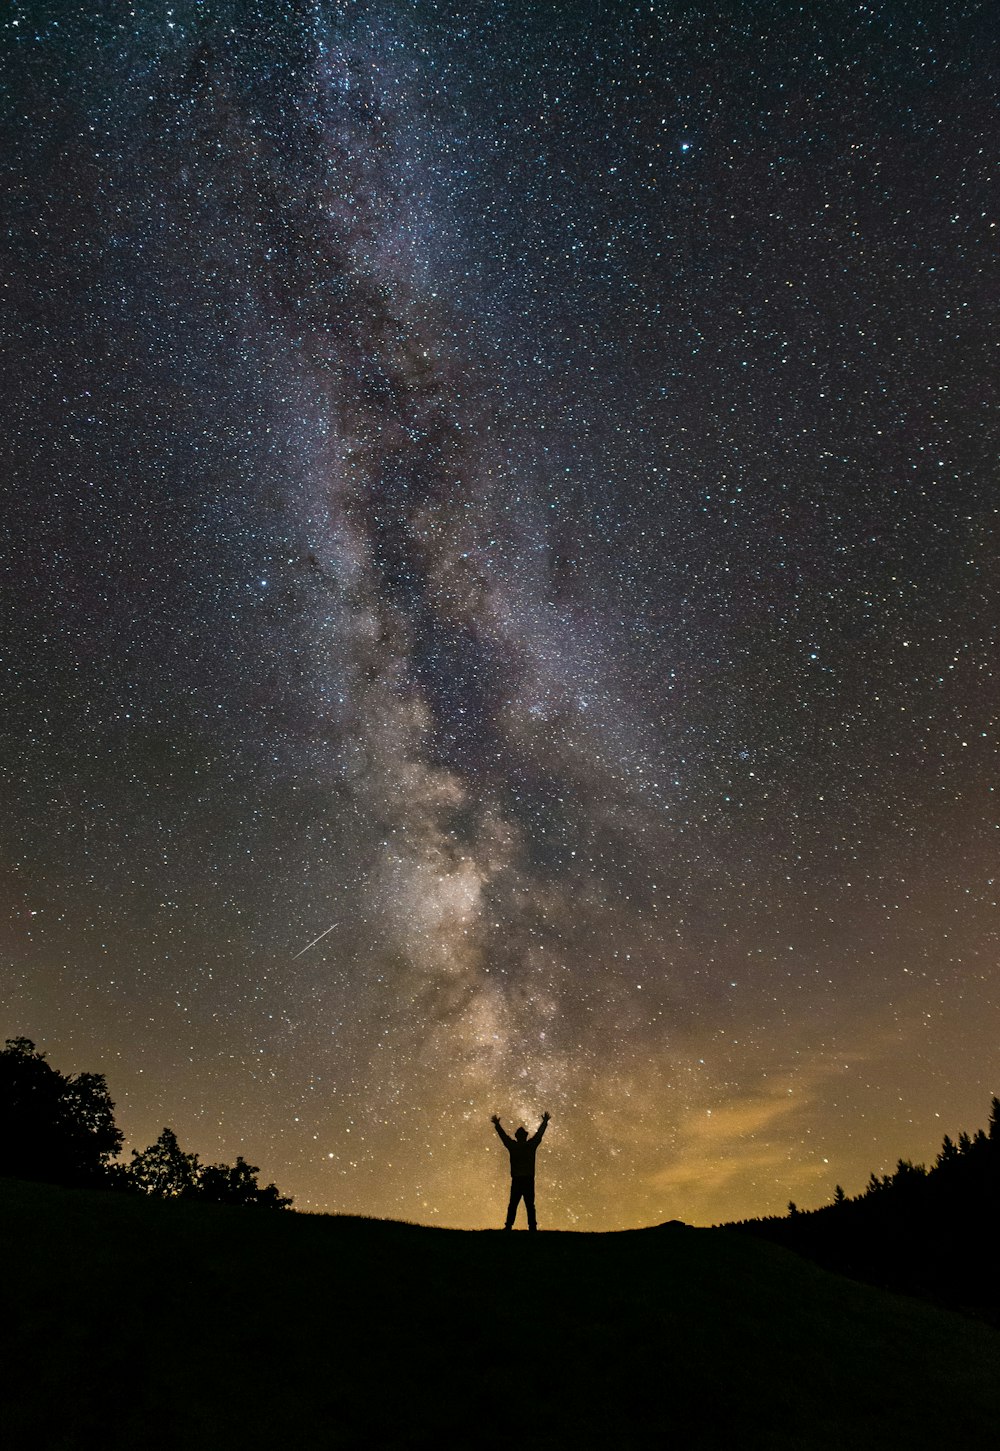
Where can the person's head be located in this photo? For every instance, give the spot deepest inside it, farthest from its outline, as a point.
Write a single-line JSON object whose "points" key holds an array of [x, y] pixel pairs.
{"points": [[521, 1134]]}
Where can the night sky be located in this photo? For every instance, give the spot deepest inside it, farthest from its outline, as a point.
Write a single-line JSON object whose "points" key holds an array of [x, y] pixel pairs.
{"points": [[515, 485]]}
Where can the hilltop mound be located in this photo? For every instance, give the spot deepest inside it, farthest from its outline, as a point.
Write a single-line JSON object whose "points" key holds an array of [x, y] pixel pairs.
{"points": [[168, 1325]]}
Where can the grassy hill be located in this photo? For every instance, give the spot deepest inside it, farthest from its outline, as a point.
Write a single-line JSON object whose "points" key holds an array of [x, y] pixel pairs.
{"points": [[143, 1324]]}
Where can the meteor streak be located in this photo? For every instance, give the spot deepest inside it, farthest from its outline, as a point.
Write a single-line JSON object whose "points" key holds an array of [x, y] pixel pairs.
{"points": [[316, 939]]}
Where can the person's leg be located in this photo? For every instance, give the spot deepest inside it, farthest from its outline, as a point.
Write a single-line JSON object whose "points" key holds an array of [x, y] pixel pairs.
{"points": [[515, 1198], [529, 1203]]}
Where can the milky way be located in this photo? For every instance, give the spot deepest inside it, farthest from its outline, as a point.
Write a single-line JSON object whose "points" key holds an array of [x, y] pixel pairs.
{"points": [[502, 591]]}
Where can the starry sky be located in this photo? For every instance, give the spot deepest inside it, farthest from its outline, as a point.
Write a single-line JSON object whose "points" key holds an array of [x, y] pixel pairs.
{"points": [[510, 486]]}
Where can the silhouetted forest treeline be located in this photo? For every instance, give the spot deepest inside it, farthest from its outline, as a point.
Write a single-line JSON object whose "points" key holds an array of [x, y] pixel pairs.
{"points": [[926, 1231], [61, 1130]]}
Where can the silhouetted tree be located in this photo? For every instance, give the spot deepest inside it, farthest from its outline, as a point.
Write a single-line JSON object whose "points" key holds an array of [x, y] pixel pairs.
{"points": [[62, 1129], [901, 1230], [237, 1184], [908, 1175], [164, 1169], [948, 1154], [53, 1127]]}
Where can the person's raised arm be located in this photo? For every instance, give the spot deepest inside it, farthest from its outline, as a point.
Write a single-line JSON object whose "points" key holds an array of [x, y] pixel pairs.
{"points": [[504, 1137], [536, 1137]]}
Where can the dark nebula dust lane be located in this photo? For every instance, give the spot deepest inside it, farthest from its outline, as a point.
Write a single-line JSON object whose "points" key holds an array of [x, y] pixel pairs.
{"points": [[501, 590]]}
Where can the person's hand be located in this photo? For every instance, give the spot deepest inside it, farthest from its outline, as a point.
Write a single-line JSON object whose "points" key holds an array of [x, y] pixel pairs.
{"points": [[545, 1117], [495, 1119]]}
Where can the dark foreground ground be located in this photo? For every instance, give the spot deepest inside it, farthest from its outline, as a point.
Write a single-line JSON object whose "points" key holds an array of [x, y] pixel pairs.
{"points": [[136, 1324]]}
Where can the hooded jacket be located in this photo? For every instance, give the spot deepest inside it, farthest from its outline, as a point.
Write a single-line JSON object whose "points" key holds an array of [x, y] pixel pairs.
{"points": [[522, 1151]]}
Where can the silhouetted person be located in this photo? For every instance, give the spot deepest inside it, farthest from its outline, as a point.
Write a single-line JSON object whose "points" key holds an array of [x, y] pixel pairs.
{"points": [[522, 1168]]}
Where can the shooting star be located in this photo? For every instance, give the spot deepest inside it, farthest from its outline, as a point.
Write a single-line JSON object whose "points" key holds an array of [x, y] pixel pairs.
{"points": [[316, 939]]}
